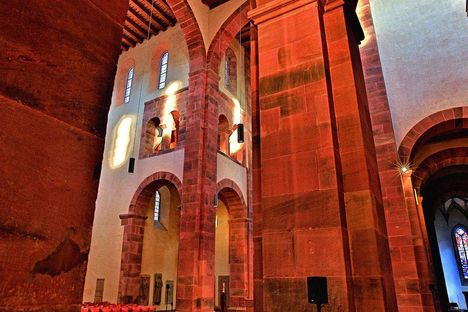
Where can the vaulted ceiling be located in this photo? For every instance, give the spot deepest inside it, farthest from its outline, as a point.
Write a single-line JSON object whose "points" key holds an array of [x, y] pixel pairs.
{"points": [[137, 26]]}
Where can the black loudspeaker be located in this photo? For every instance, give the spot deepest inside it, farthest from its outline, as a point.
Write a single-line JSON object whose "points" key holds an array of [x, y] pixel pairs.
{"points": [[131, 165], [317, 289], [240, 133]]}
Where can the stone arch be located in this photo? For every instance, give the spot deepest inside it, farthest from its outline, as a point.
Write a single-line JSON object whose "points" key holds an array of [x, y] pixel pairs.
{"points": [[449, 118], [133, 234], [161, 176], [193, 36], [438, 161], [225, 35], [239, 224]]}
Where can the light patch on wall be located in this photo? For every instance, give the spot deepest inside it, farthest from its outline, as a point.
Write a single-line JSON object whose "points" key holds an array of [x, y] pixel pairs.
{"points": [[360, 13], [170, 105], [122, 141], [234, 145], [236, 111]]}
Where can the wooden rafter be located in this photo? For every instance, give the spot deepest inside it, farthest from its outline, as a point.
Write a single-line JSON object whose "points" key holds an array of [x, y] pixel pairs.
{"points": [[143, 14]]}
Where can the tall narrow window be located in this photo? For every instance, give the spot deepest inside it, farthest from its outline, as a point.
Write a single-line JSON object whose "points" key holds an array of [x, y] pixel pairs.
{"points": [[163, 70], [157, 206], [230, 71], [461, 244], [128, 87]]}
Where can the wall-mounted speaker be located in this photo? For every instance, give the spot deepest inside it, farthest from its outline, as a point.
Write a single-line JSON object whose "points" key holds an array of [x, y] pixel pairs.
{"points": [[317, 289], [240, 133], [131, 165]]}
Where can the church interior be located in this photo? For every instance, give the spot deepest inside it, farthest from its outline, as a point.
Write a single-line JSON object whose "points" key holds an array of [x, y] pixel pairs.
{"points": [[234, 155]]}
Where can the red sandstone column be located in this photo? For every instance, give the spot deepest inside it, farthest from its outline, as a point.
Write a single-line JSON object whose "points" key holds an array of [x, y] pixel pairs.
{"points": [[195, 287], [256, 176], [132, 249], [370, 259], [301, 228]]}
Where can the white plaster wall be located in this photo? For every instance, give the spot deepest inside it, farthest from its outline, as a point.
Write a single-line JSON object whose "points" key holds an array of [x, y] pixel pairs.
{"points": [[423, 48], [117, 186]]}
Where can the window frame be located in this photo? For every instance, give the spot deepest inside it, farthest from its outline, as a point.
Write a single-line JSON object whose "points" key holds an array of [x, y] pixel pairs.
{"points": [[463, 275], [129, 84], [163, 70], [157, 207]]}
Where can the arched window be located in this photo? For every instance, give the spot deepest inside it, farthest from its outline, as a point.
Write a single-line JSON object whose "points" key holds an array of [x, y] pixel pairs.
{"points": [[128, 87], [157, 206], [163, 70], [230, 71], [461, 245]]}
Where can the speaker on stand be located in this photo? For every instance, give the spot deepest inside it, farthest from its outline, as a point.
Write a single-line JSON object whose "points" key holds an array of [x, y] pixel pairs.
{"points": [[317, 291]]}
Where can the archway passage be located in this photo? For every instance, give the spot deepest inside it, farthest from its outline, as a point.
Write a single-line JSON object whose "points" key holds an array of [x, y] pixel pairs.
{"points": [[231, 252], [436, 151], [445, 197], [150, 247]]}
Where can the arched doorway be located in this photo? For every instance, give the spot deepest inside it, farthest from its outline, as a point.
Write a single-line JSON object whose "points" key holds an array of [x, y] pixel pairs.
{"points": [[434, 154], [445, 206], [151, 244], [231, 248]]}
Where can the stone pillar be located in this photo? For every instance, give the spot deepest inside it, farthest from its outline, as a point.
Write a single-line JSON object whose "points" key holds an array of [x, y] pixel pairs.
{"points": [[370, 258], [322, 209], [195, 287], [238, 263], [132, 250], [302, 230]]}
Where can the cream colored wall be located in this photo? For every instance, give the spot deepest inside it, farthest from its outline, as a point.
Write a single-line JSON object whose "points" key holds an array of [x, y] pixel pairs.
{"points": [[117, 186], [424, 54], [210, 21], [221, 245], [161, 245]]}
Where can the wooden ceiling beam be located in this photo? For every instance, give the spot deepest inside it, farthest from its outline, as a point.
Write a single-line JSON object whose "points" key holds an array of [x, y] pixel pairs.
{"points": [[154, 18], [129, 40], [135, 25], [130, 31], [163, 9], [144, 21]]}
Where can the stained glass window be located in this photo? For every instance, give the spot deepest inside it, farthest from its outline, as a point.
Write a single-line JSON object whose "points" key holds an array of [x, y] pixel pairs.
{"points": [[461, 241], [157, 206], [128, 87], [163, 70]]}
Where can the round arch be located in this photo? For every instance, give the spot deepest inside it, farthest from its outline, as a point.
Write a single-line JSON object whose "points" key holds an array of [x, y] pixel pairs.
{"points": [[239, 224], [228, 31], [156, 180], [451, 118], [438, 161], [133, 233]]}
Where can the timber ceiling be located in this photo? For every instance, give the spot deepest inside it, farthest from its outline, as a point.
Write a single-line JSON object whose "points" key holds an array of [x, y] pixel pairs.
{"points": [[138, 21]]}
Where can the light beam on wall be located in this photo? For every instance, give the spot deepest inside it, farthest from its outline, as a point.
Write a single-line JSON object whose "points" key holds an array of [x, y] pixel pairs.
{"points": [[170, 105], [122, 142]]}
